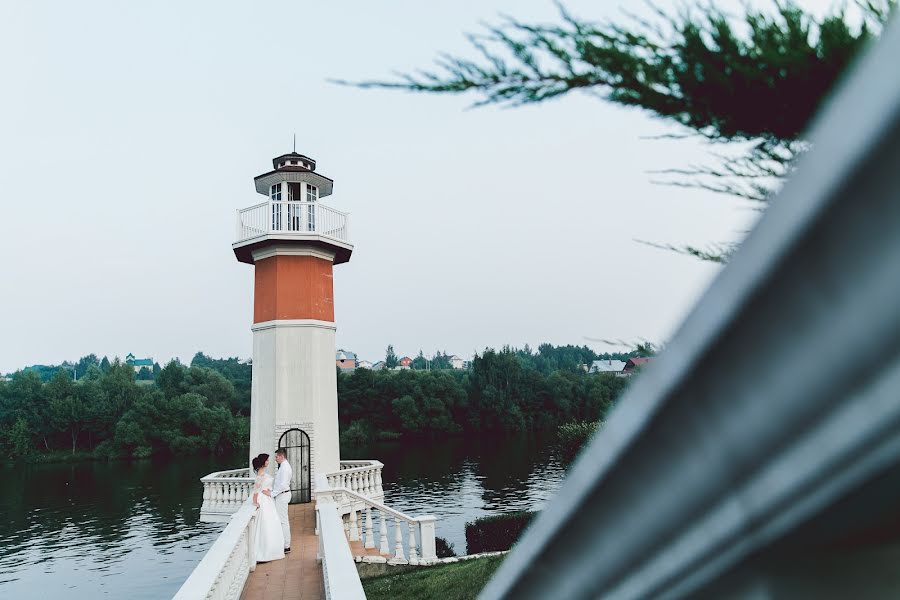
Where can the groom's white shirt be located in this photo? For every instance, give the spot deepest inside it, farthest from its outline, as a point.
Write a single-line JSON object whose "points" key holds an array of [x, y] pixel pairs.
{"points": [[282, 478]]}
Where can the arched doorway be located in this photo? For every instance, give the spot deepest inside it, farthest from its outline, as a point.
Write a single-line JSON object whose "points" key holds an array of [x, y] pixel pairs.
{"points": [[296, 442]]}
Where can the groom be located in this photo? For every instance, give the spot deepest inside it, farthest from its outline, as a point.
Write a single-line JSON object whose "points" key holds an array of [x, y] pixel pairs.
{"points": [[281, 493]]}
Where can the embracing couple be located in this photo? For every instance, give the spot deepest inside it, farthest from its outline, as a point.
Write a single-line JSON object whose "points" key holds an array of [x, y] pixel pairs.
{"points": [[272, 529]]}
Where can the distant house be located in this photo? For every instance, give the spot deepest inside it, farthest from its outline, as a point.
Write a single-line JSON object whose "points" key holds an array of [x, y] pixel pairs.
{"points": [[406, 362], [456, 362], [633, 364], [379, 366], [607, 366], [346, 361], [138, 363], [363, 364]]}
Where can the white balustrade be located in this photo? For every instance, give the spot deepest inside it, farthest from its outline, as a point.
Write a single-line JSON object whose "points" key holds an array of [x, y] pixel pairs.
{"points": [[360, 524], [298, 218], [354, 491], [360, 476], [223, 493], [222, 573]]}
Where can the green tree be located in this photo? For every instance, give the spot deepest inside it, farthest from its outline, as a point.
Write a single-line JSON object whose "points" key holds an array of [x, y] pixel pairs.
{"points": [[27, 399], [390, 358], [104, 364], [18, 438], [70, 416], [406, 410], [237, 372], [755, 79], [441, 360], [84, 363], [171, 379]]}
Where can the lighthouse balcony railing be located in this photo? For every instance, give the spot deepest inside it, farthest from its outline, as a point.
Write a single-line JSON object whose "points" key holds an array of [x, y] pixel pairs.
{"points": [[291, 219]]}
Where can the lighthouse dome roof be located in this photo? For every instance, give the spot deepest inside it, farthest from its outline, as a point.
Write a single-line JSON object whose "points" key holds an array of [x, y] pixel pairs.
{"points": [[294, 167]]}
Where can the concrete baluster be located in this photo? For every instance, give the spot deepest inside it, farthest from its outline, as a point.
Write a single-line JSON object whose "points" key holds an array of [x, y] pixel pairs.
{"points": [[383, 541], [398, 541], [413, 556], [354, 526], [370, 535]]}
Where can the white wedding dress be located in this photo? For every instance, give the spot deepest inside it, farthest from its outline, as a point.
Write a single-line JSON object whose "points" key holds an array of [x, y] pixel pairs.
{"points": [[267, 529]]}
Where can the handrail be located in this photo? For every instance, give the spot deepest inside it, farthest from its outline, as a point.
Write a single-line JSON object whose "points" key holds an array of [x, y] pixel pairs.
{"points": [[339, 572], [361, 462], [304, 203], [240, 474], [372, 503], [368, 464], [224, 568], [704, 478], [249, 208]]}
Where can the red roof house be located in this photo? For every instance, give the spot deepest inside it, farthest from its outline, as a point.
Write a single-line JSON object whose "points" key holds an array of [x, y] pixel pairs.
{"points": [[635, 363]]}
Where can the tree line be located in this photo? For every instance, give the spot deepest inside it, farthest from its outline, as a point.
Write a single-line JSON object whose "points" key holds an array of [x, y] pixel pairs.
{"points": [[110, 412], [509, 390]]}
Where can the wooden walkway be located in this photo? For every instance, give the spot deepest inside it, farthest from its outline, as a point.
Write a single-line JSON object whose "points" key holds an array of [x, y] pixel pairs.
{"points": [[299, 575]]}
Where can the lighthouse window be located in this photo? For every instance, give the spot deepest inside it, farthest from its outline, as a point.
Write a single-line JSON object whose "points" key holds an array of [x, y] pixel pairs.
{"points": [[312, 193], [275, 192]]}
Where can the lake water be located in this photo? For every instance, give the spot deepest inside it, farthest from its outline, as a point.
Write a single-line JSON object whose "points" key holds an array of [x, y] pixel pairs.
{"points": [[133, 529], [461, 479]]}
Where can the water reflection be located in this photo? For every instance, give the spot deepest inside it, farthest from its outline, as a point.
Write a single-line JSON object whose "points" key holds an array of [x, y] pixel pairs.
{"points": [[98, 529], [460, 479], [133, 529]]}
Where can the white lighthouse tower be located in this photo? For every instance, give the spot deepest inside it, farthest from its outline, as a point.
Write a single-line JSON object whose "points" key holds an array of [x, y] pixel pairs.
{"points": [[293, 241]]}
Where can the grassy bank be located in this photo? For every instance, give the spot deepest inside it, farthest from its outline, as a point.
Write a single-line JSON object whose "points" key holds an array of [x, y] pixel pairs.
{"points": [[456, 581]]}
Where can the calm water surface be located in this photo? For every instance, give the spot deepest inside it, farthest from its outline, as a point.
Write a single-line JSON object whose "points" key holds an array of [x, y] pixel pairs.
{"points": [[133, 530], [459, 480]]}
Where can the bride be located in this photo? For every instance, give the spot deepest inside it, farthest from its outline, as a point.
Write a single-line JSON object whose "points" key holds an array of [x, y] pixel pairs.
{"points": [[267, 530]]}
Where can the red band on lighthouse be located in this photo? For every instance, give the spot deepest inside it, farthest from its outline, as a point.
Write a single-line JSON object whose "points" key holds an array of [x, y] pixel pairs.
{"points": [[293, 287]]}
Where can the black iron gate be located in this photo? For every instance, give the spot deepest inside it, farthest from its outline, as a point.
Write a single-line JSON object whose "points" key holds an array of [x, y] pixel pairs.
{"points": [[296, 442]]}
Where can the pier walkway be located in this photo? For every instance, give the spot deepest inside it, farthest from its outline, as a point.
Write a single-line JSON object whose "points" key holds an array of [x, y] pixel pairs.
{"points": [[299, 575]]}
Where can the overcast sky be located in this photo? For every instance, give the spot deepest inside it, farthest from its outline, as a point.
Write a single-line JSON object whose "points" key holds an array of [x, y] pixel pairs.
{"points": [[131, 131]]}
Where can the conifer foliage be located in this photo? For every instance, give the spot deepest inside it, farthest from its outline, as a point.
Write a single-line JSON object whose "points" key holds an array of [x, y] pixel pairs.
{"points": [[756, 78]]}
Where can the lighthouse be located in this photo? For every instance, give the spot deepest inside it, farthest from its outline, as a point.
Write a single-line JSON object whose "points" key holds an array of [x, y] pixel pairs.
{"points": [[293, 241]]}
